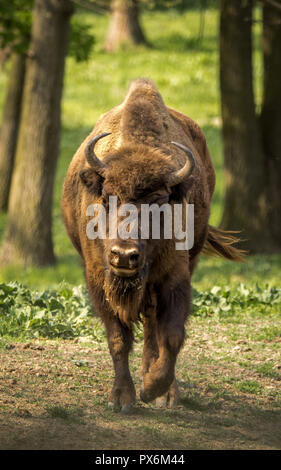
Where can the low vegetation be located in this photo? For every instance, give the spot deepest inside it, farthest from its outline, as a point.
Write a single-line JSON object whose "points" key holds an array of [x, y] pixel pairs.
{"points": [[66, 312]]}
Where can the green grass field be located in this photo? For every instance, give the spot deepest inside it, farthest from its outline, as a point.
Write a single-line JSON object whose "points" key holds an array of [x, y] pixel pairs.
{"points": [[57, 369]]}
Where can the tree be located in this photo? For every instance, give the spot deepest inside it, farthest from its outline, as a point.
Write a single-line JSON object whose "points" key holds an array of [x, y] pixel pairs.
{"points": [[124, 26], [10, 126], [16, 20], [247, 204], [28, 235], [271, 111]]}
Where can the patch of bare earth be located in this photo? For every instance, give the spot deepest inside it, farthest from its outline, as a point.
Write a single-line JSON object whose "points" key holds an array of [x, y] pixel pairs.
{"points": [[53, 395]]}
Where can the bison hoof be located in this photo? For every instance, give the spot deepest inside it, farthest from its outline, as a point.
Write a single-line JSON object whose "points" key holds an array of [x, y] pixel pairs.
{"points": [[154, 386], [127, 409], [144, 396], [161, 402], [122, 398], [112, 406], [167, 401]]}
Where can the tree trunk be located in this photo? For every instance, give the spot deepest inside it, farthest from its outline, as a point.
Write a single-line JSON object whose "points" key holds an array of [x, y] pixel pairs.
{"points": [[10, 125], [28, 235], [245, 170], [271, 112], [124, 27]]}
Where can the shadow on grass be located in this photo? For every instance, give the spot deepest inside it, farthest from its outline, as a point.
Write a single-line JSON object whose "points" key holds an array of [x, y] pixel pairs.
{"points": [[237, 426], [199, 423], [49, 433]]}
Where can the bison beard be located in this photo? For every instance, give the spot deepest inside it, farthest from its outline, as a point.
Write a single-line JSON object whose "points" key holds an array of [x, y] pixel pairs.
{"points": [[125, 296]]}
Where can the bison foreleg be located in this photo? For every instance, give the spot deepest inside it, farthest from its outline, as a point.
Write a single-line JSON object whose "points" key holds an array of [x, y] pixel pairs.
{"points": [[150, 355], [150, 348], [120, 340], [172, 310]]}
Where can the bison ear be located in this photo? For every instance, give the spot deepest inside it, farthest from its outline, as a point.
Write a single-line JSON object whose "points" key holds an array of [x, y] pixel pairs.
{"points": [[180, 190], [92, 181]]}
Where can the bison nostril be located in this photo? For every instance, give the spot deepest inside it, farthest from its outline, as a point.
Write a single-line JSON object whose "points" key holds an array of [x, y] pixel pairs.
{"points": [[134, 259]]}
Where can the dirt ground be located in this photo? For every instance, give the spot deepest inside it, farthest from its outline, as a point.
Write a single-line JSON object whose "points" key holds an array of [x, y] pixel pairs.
{"points": [[53, 395]]}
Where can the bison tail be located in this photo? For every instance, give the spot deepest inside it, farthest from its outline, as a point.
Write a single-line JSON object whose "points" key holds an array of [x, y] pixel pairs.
{"points": [[220, 243]]}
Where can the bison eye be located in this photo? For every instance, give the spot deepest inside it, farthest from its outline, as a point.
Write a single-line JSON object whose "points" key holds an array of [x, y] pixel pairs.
{"points": [[162, 200], [92, 181], [159, 198]]}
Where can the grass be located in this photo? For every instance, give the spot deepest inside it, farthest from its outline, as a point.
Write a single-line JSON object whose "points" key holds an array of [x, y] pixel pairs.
{"points": [[249, 386], [57, 371], [68, 414]]}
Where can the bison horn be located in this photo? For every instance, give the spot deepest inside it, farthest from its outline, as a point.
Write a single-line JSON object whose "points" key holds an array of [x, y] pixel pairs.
{"points": [[91, 157], [183, 173]]}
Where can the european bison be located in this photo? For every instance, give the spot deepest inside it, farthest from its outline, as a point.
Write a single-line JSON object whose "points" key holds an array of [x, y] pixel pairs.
{"points": [[142, 152]]}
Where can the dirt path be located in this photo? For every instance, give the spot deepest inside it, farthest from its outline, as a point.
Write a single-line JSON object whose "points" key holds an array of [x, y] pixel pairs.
{"points": [[53, 395]]}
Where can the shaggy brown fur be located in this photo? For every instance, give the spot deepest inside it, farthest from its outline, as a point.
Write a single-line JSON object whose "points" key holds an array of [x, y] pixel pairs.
{"points": [[140, 157]]}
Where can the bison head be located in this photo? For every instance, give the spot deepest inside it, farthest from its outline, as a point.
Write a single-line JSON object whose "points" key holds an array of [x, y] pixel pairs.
{"points": [[138, 175]]}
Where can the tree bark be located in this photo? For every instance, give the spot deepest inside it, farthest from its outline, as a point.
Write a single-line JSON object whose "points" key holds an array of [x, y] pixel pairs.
{"points": [[10, 126], [271, 112], [28, 235], [245, 206], [124, 26]]}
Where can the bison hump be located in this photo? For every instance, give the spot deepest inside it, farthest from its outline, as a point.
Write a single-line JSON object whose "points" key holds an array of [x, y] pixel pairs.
{"points": [[144, 114]]}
